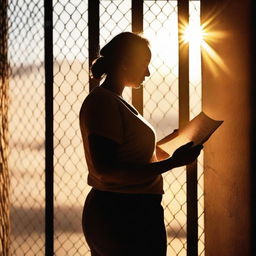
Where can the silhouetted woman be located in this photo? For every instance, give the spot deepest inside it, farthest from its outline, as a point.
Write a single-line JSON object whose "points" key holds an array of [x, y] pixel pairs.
{"points": [[123, 213]]}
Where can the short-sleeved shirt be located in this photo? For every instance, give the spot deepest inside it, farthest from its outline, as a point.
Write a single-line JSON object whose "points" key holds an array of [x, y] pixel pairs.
{"points": [[106, 114]]}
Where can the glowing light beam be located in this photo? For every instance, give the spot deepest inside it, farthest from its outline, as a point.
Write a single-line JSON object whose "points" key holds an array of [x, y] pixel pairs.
{"points": [[200, 35]]}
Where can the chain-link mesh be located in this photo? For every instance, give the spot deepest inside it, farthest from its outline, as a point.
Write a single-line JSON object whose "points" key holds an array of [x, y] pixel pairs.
{"points": [[26, 122], [70, 88], [161, 109]]}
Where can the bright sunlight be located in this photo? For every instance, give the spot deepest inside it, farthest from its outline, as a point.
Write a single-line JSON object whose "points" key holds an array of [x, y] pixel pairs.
{"points": [[200, 35]]}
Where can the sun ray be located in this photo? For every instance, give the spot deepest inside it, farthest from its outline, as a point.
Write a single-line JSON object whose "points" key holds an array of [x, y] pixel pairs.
{"points": [[213, 58], [196, 34]]}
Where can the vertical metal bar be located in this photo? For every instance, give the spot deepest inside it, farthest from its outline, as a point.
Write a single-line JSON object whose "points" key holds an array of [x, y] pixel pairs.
{"points": [[94, 31], [137, 27], [192, 208], [253, 128], [49, 148], [183, 18]]}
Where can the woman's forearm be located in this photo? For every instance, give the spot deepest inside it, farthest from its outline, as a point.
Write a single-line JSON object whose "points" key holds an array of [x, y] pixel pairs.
{"points": [[103, 154]]}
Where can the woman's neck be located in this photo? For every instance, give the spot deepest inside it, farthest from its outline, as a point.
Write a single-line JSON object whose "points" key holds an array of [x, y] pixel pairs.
{"points": [[113, 85]]}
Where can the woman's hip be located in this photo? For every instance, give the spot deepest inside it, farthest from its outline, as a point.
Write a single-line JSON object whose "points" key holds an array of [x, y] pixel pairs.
{"points": [[126, 220]]}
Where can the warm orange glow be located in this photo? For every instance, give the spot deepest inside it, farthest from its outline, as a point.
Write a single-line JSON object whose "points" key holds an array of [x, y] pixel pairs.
{"points": [[193, 33], [201, 35]]}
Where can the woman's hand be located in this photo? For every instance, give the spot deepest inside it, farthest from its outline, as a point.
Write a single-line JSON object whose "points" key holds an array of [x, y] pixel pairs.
{"points": [[186, 154]]}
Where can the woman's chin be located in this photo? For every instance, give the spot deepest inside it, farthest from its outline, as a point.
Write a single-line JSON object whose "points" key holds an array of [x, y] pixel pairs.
{"points": [[135, 86], [138, 86]]}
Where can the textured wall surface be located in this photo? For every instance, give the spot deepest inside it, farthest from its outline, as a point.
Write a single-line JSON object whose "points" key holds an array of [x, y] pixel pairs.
{"points": [[226, 96]]}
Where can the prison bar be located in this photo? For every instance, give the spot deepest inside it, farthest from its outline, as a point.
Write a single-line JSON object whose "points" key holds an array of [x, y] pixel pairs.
{"points": [[137, 27], [49, 147], [93, 37], [191, 170]]}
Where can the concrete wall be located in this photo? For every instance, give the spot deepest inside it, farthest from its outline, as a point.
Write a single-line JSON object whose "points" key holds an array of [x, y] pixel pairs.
{"points": [[226, 96]]}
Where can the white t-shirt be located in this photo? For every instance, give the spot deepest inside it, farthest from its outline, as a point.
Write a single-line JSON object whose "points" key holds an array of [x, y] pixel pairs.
{"points": [[106, 114]]}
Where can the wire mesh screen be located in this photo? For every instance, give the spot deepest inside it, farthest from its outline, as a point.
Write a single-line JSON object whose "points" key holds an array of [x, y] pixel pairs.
{"points": [[26, 126], [70, 88], [161, 109], [71, 77]]}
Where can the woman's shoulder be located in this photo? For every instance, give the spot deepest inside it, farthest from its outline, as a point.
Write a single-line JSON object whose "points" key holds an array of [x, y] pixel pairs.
{"points": [[97, 99], [96, 96], [99, 93]]}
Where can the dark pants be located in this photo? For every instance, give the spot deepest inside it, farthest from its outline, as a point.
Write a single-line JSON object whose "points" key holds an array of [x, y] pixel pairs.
{"points": [[116, 224]]}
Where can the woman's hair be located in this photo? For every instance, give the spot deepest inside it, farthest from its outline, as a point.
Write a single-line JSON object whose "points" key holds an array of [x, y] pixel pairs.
{"points": [[122, 46]]}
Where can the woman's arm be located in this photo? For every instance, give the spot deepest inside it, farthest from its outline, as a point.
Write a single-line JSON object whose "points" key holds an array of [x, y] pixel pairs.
{"points": [[103, 153]]}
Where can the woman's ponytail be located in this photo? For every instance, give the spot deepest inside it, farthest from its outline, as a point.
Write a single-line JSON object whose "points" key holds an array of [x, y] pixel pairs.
{"points": [[98, 68]]}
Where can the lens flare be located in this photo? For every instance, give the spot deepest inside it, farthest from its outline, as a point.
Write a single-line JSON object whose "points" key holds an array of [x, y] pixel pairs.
{"points": [[196, 35]]}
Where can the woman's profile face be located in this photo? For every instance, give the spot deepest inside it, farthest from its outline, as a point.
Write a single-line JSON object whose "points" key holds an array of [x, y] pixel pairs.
{"points": [[136, 68]]}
